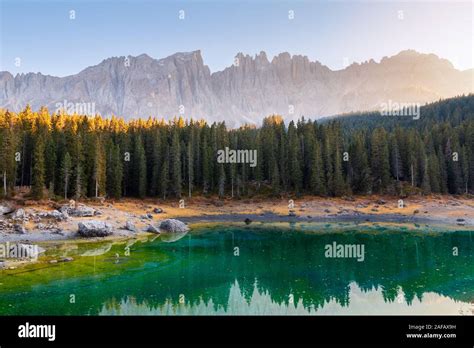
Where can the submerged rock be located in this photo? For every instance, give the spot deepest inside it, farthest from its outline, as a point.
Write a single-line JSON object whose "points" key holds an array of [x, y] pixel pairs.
{"points": [[94, 228], [66, 259], [173, 225]]}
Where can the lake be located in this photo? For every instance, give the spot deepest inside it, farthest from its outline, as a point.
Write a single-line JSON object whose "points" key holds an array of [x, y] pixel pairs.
{"points": [[260, 269]]}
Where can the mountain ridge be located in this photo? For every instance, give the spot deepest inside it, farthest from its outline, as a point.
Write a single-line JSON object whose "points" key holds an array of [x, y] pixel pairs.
{"points": [[245, 92]]}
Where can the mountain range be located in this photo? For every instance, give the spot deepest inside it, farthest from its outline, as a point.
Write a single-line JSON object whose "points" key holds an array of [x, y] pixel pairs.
{"points": [[247, 91]]}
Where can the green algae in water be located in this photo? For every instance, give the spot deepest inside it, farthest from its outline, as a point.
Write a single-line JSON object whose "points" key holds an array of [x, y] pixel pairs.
{"points": [[280, 269]]}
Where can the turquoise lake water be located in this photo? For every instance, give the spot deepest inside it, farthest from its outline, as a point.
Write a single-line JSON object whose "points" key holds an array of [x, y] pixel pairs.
{"points": [[252, 270]]}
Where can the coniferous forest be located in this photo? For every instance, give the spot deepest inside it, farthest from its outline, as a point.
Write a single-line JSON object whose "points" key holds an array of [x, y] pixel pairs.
{"points": [[74, 156]]}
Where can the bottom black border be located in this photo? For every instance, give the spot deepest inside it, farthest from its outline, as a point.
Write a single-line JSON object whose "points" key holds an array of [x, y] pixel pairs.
{"points": [[259, 330]]}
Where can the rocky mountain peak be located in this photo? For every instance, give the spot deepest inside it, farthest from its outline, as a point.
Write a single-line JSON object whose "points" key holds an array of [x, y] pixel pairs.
{"points": [[254, 87]]}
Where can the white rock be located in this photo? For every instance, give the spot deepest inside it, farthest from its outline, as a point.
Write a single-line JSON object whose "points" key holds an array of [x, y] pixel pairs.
{"points": [[94, 228], [173, 225], [130, 226], [6, 208]]}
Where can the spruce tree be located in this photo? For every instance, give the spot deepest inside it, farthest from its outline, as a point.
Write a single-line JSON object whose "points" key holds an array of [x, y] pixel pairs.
{"points": [[380, 165], [114, 172], [176, 163], [66, 173], [139, 165], [38, 169], [294, 168], [359, 166]]}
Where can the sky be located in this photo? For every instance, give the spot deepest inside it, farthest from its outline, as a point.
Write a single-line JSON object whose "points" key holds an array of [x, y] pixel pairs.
{"points": [[41, 36]]}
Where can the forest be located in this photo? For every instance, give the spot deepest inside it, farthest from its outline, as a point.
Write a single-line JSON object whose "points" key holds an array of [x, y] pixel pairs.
{"points": [[77, 156]]}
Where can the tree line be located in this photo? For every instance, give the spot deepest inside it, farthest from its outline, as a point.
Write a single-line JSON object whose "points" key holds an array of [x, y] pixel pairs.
{"points": [[74, 156]]}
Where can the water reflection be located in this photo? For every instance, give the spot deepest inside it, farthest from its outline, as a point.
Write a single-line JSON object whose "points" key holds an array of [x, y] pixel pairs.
{"points": [[261, 303], [276, 271], [170, 237]]}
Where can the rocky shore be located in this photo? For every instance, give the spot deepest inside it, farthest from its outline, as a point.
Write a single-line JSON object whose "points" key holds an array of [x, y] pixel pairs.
{"points": [[37, 222]]}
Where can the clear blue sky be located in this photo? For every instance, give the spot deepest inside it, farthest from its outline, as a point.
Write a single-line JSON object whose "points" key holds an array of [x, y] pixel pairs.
{"points": [[47, 41]]}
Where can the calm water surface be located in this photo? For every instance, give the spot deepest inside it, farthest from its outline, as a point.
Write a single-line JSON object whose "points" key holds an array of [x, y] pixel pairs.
{"points": [[256, 269]]}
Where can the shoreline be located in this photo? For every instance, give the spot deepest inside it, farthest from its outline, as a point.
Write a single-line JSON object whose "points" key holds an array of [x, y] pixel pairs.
{"points": [[360, 218], [448, 211]]}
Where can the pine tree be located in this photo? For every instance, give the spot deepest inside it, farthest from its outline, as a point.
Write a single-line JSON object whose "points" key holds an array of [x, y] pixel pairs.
{"points": [[139, 165], [317, 175], [99, 169], [50, 164], [176, 163], [8, 144], [66, 173], [396, 160], [293, 158], [114, 172], [156, 158], [359, 167], [433, 172], [206, 166], [190, 168], [165, 176], [38, 169], [425, 184], [380, 166]]}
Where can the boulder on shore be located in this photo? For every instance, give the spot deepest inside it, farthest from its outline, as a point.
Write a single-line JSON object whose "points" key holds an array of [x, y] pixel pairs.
{"points": [[55, 214], [173, 225], [83, 211], [19, 229], [20, 214], [6, 208], [78, 211], [152, 229], [130, 226], [94, 228]]}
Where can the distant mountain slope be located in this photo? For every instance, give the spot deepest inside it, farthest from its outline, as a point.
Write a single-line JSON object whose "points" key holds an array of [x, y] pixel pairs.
{"points": [[245, 92], [454, 111]]}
